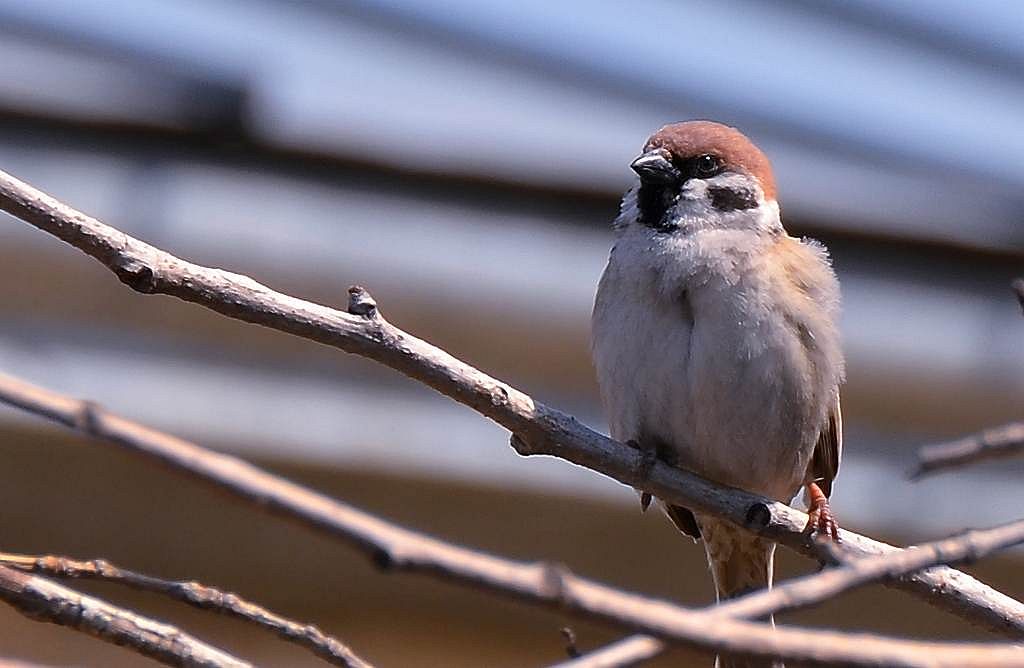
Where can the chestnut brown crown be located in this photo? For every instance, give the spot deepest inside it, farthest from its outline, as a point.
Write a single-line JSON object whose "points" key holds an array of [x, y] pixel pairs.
{"points": [[692, 138]]}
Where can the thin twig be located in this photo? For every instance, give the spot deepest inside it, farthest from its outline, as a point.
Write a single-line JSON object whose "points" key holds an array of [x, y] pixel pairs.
{"points": [[536, 428], [397, 548], [194, 594], [623, 653], [995, 443], [858, 571], [813, 589], [569, 636], [42, 600]]}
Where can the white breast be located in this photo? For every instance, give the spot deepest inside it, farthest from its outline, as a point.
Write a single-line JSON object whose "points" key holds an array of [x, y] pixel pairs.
{"points": [[695, 347]]}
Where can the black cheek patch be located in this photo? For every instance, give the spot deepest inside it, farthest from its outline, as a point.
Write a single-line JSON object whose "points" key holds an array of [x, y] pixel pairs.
{"points": [[727, 199]]}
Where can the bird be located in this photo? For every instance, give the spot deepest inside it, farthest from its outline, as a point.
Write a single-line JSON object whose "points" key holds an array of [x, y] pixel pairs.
{"points": [[716, 343]]}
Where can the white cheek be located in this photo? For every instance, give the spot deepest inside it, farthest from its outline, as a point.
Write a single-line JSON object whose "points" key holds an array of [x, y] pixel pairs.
{"points": [[694, 205], [694, 189], [735, 181], [694, 210], [770, 215]]}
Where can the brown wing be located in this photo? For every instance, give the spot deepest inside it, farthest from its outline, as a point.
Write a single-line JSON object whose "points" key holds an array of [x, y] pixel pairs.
{"points": [[825, 461]]}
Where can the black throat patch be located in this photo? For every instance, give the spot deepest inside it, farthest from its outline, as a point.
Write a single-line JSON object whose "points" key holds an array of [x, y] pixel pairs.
{"points": [[654, 201], [729, 199]]}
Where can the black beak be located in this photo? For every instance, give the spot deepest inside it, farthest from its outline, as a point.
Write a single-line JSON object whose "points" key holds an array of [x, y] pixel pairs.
{"points": [[655, 167]]}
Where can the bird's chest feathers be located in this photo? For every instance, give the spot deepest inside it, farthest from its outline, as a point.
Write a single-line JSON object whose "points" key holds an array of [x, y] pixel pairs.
{"points": [[723, 289], [716, 359]]}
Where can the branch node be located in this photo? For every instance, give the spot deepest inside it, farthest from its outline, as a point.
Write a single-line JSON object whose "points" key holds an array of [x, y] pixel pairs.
{"points": [[104, 567], [521, 446], [361, 303], [553, 582], [758, 517], [87, 418], [384, 559], [499, 396], [136, 275], [972, 552]]}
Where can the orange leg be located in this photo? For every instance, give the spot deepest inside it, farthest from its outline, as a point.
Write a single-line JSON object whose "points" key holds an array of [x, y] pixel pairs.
{"points": [[819, 514]]}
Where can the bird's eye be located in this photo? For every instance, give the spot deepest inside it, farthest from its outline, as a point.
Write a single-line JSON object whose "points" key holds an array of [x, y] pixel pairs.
{"points": [[707, 165]]}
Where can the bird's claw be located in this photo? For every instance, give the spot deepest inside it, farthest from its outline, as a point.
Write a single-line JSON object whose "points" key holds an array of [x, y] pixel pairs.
{"points": [[822, 523], [820, 519]]}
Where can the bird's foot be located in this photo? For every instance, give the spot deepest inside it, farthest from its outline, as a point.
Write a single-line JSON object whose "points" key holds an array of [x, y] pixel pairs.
{"points": [[820, 519]]}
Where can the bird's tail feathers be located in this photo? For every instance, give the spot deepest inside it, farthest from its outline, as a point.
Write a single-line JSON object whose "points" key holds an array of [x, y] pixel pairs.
{"points": [[740, 563]]}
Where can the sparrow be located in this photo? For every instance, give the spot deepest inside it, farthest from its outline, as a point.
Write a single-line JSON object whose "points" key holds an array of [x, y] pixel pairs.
{"points": [[715, 340]]}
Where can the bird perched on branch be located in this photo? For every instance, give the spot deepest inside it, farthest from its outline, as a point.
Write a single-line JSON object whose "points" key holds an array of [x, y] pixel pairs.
{"points": [[715, 340]]}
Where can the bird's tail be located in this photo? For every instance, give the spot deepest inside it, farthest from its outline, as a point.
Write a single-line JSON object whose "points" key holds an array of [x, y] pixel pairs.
{"points": [[740, 563]]}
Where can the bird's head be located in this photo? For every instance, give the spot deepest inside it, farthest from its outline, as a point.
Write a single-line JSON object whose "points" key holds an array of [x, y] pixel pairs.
{"points": [[704, 175]]}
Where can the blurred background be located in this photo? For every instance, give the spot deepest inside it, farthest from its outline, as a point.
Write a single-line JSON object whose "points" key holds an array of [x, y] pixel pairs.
{"points": [[464, 160]]}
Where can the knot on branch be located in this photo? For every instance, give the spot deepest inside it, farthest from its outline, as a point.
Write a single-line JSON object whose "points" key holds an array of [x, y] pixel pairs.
{"points": [[553, 582], [384, 559], [53, 564], [202, 596], [136, 275], [361, 303], [499, 396], [972, 551], [101, 567], [87, 418], [522, 446], [758, 517]]}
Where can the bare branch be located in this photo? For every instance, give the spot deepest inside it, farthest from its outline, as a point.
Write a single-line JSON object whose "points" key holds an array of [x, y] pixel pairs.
{"points": [[43, 600], [813, 589], [857, 571], [620, 654], [538, 430], [996, 443], [397, 548], [194, 594]]}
